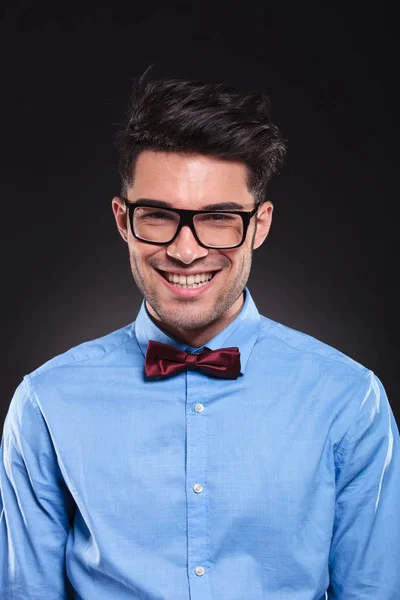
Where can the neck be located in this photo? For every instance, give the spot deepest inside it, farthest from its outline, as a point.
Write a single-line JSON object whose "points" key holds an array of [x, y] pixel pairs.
{"points": [[196, 338]]}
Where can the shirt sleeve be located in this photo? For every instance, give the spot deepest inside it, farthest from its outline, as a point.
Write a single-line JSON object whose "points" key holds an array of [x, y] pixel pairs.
{"points": [[364, 562], [36, 507]]}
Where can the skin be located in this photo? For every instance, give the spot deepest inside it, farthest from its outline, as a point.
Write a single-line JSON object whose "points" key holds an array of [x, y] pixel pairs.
{"points": [[193, 182]]}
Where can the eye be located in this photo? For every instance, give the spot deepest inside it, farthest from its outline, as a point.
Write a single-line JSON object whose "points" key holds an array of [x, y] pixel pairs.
{"points": [[155, 215], [159, 215], [219, 217]]}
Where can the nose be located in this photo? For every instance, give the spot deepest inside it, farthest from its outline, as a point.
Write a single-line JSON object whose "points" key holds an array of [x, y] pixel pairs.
{"points": [[185, 247]]}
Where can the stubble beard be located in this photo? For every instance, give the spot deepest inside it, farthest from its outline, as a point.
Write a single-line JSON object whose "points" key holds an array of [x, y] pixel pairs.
{"points": [[184, 316]]}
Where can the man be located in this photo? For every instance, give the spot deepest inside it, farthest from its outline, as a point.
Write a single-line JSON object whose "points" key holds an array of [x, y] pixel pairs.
{"points": [[202, 451]]}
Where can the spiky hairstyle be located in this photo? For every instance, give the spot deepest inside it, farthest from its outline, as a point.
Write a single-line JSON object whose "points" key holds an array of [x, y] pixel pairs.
{"points": [[175, 115]]}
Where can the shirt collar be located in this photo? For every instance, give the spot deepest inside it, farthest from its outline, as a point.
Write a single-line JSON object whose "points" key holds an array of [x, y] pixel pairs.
{"points": [[242, 332]]}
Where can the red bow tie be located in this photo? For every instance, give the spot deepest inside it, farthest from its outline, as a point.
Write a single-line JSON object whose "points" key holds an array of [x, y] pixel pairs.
{"points": [[163, 360]]}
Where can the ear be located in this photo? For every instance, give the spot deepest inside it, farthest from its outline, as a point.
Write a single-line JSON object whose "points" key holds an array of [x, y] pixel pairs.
{"points": [[120, 214], [263, 223]]}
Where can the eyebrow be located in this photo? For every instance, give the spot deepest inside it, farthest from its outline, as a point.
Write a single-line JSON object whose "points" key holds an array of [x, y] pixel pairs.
{"points": [[215, 206]]}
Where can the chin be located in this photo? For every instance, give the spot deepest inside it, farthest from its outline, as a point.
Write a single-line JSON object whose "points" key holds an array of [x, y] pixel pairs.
{"points": [[186, 318], [191, 322]]}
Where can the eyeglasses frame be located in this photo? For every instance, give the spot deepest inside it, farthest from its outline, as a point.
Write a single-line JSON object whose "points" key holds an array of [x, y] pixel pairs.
{"points": [[186, 218]]}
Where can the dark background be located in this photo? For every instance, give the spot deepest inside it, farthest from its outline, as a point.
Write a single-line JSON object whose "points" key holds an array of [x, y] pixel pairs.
{"points": [[329, 266]]}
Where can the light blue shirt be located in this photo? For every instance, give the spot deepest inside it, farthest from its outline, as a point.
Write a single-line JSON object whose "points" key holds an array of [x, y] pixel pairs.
{"points": [[283, 484]]}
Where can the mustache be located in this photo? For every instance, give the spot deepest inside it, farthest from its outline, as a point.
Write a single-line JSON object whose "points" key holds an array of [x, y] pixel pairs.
{"points": [[189, 267], [196, 264]]}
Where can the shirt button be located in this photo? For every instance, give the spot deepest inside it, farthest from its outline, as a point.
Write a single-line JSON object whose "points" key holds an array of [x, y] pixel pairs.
{"points": [[199, 571], [199, 408], [198, 488]]}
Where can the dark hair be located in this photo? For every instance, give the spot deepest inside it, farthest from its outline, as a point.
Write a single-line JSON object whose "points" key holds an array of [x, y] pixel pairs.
{"points": [[175, 115]]}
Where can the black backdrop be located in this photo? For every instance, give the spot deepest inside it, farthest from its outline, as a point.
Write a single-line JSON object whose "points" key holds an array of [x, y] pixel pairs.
{"points": [[329, 266]]}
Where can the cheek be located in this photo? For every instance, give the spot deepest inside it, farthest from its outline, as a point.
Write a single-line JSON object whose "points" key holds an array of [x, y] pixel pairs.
{"points": [[145, 259], [139, 255], [238, 260]]}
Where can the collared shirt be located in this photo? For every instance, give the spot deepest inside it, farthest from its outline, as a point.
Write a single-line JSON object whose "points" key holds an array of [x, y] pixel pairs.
{"points": [[283, 484]]}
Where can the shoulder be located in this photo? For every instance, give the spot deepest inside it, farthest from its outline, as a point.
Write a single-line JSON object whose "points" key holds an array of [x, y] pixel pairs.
{"points": [[322, 373], [73, 376], [89, 353], [305, 347]]}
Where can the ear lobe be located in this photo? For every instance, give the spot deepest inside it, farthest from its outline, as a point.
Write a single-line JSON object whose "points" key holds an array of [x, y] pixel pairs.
{"points": [[263, 223], [120, 214]]}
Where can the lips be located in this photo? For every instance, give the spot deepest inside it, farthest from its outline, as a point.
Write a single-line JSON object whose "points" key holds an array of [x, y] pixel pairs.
{"points": [[192, 283]]}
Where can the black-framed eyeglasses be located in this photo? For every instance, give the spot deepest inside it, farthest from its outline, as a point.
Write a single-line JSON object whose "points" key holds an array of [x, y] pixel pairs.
{"points": [[159, 225]]}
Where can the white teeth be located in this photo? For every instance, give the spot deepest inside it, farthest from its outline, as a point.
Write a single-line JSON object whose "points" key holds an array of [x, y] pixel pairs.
{"points": [[191, 281]]}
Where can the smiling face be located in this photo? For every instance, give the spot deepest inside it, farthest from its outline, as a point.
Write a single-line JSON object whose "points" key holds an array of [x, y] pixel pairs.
{"points": [[193, 313]]}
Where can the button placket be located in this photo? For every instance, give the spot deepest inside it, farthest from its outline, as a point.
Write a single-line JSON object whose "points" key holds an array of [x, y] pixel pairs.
{"points": [[196, 468]]}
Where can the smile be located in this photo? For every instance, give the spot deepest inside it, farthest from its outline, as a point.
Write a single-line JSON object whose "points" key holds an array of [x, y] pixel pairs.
{"points": [[188, 281]]}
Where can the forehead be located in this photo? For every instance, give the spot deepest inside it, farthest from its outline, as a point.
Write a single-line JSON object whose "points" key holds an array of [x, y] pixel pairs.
{"points": [[189, 179]]}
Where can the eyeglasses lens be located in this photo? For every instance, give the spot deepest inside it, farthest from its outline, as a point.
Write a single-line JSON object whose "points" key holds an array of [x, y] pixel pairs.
{"points": [[214, 229]]}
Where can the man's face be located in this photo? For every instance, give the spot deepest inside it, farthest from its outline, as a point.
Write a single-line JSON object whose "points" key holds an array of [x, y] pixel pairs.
{"points": [[195, 182]]}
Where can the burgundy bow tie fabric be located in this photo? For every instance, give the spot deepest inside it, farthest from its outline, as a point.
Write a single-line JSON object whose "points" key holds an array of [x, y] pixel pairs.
{"points": [[163, 360]]}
